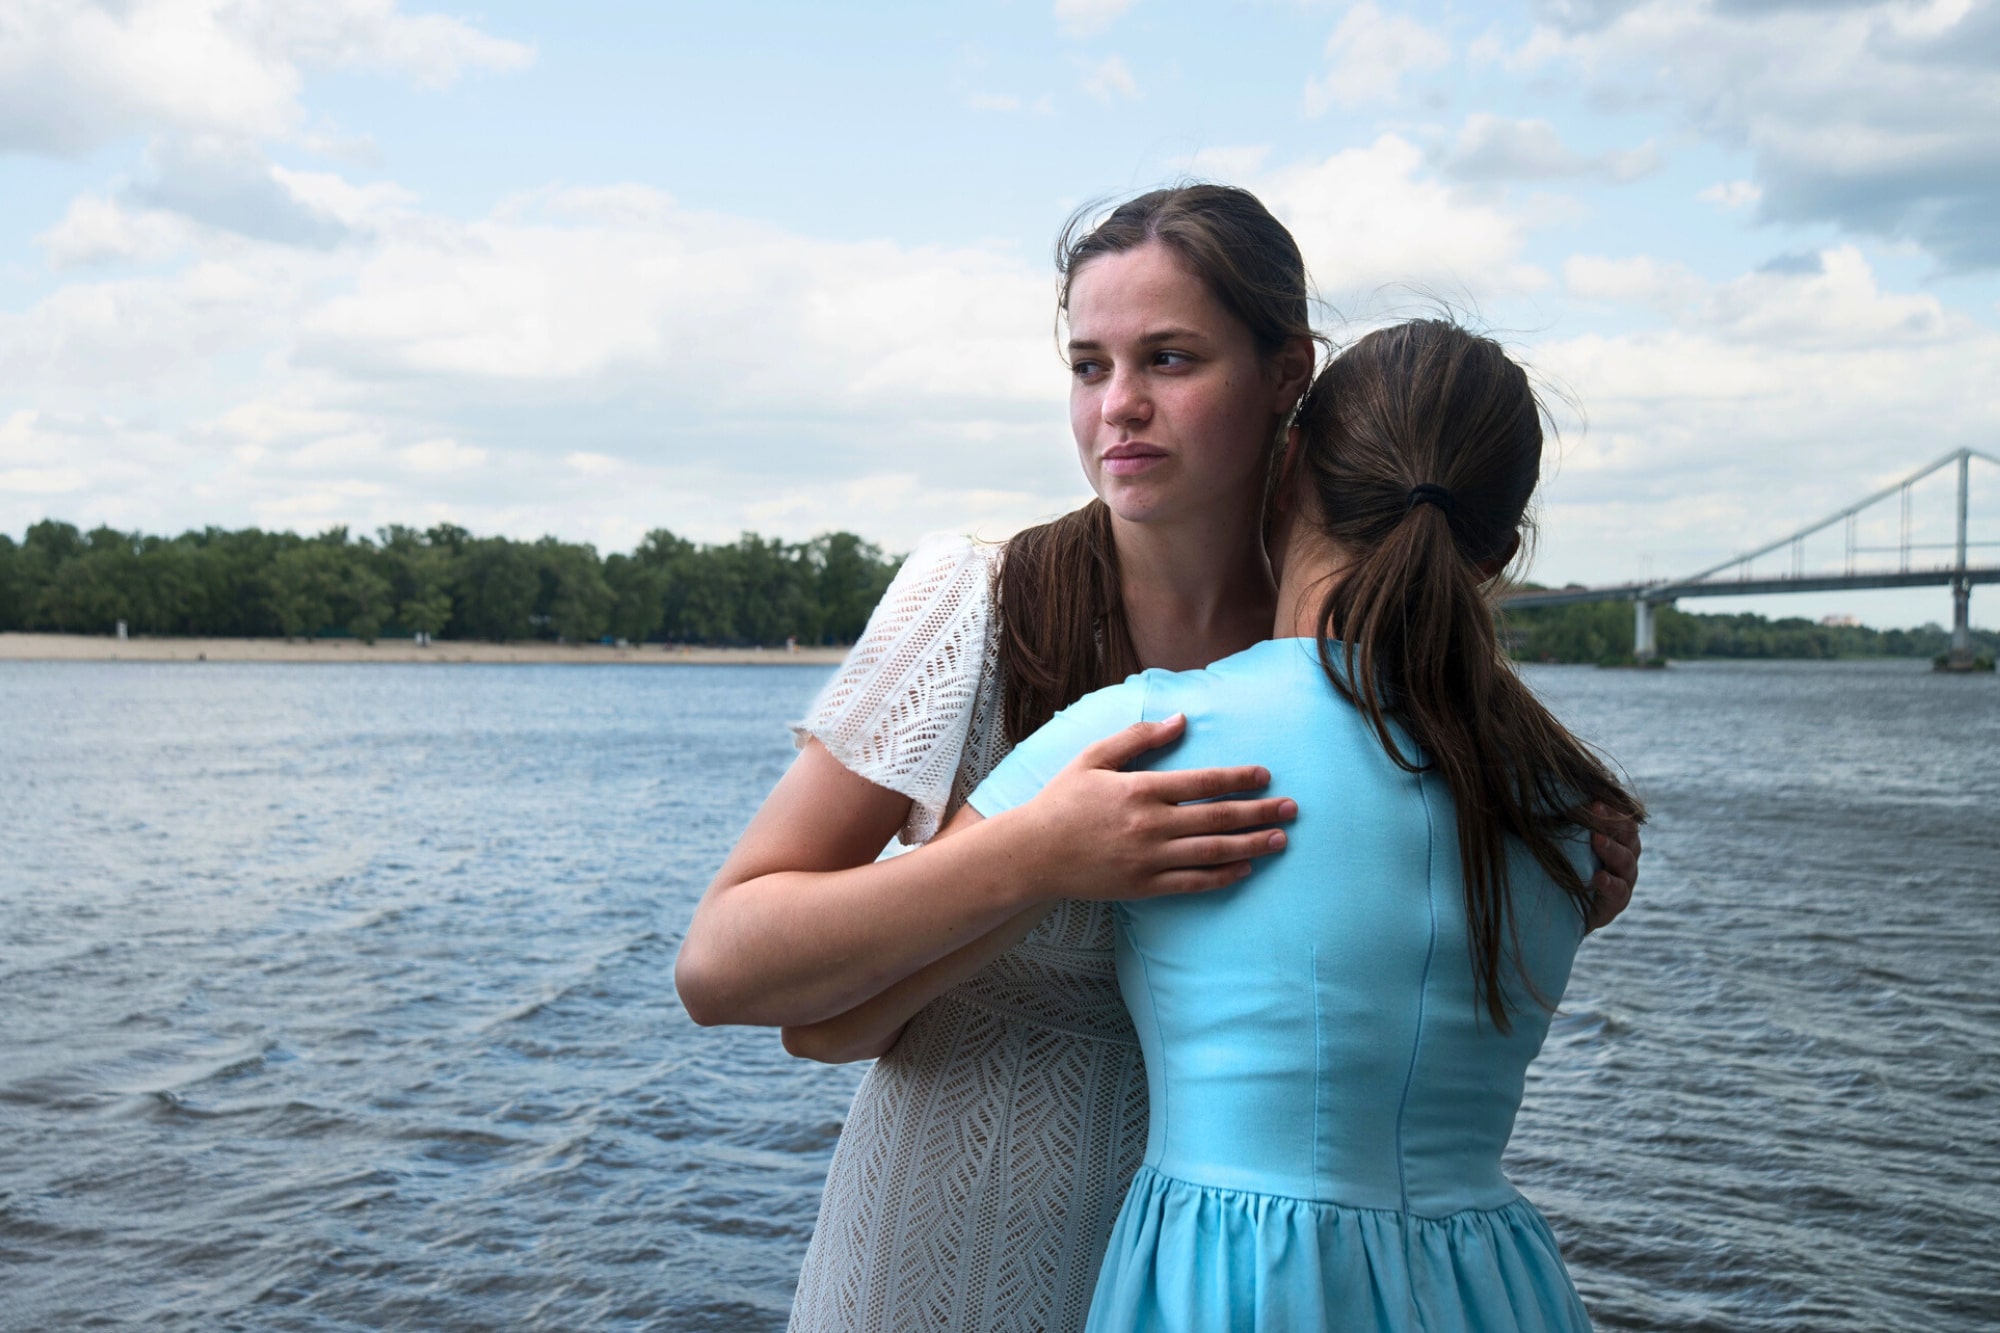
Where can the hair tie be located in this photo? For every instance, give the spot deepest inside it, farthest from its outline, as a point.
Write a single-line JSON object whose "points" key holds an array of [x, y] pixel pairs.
{"points": [[1426, 493]]}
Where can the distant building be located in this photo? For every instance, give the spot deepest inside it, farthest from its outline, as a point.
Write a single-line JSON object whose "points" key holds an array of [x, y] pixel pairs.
{"points": [[1840, 622]]}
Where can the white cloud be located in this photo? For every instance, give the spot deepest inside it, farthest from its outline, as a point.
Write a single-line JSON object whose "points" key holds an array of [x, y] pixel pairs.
{"points": [[1109, 79], [50, 463], [1224, 163], [293, 415], [592, 465], [1882, 116], [1832, 300], [1087, 18], [228, 185], [714, 308], [337, 453], [1826, 298], [1730, 196], [431, 48], [1369, 55], [354, 207], [74, 74], [1492, 148], [1370, 216], [97, 230], [1640, 280], [441, 455], [87, 340]]}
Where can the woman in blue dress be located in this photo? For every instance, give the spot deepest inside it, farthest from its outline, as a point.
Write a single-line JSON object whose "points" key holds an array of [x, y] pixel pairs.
{"points": [[1335, 1047]]}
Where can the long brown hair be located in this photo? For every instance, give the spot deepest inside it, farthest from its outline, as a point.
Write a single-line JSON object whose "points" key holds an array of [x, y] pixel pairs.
{"points": [[1063, 631], [1422, 444]]}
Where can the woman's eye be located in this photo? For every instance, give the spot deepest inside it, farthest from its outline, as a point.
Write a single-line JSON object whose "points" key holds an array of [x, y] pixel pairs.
{"points": [[1083, 370], [1171, 358]]}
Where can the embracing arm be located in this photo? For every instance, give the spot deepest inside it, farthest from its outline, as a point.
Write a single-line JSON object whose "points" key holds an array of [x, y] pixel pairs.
{"points": [[802, 921], [870, 1028], [802, 924]]}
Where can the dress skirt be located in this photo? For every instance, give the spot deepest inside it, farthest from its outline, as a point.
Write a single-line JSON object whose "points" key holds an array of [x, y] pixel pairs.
{"points": [[1206, 1260]]}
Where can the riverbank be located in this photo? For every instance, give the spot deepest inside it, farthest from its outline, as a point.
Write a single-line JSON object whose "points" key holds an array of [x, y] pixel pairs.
{"points": [[103, 648]]}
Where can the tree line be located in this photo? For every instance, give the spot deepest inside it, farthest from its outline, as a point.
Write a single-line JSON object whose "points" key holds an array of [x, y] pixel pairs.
{"points": [[442, 581], [448, 583], [1602, 632]]}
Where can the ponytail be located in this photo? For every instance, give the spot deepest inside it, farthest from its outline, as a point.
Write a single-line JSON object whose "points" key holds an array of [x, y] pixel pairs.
{"points": [[1422, 445]]}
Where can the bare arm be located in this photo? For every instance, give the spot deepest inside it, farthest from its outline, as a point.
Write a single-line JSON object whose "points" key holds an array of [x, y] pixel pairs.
{"points": [[802, 923], [870, 1028]]}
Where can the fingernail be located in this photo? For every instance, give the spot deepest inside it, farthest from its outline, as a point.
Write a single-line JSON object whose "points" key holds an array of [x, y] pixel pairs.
{"points": [[1277, 839], [1263, 777], [1288, 809]]}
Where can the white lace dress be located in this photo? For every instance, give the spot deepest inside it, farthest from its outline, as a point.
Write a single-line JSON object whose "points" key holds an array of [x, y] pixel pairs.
{"points": [[986, 1154]]}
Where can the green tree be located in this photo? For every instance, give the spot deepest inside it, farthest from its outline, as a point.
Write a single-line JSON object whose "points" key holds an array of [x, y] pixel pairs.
{"points": [[88, 593], [442, 581], [13, 607], [638, 596], [45, 548], [574, 601], [495, 584], [1581, 632], [305, 582], [366, 597], [665, 566], [850, 576], [419, 574], [752, 591]]}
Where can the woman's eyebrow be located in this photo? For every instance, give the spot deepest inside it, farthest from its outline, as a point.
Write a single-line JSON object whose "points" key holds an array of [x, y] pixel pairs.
{"points": [[1145, 340]]}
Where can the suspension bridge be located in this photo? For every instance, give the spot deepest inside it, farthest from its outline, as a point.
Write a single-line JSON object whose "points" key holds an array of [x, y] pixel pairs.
{"points": [[1737, 576]]}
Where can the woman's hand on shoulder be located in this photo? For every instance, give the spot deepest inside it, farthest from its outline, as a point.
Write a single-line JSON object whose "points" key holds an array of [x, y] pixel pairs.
{"points": [[1098, 832], [1611, 887]]}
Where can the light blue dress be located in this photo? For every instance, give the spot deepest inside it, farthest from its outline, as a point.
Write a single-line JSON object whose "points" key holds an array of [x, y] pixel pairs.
{"points": [[1329, 1099]]}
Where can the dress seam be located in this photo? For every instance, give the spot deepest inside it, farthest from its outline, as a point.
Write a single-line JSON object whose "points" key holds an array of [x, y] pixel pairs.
{"points": [[1416, 1047], [1518, 1200], [1158, 1109], [1319, 1067]]}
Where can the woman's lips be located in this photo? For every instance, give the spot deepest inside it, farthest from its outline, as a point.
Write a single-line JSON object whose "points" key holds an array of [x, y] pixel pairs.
{"points": [[1129, 460]]}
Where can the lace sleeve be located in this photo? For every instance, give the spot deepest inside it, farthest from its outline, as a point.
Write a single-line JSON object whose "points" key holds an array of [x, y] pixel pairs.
{"points": [[901, 710]]}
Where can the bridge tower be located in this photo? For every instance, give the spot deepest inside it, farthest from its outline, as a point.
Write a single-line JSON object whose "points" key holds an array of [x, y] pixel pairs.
{"points": [[1959, 658], [1645, 646]]}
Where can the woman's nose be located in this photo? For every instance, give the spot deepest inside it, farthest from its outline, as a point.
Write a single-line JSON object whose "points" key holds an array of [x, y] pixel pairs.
{"points": [[1126, 400]]}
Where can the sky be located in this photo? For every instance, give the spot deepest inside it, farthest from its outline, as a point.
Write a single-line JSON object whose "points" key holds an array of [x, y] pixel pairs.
{"points": [[593, 269]]}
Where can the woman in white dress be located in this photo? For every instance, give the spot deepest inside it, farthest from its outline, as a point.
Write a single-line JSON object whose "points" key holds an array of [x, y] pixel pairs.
{"points": [[988, 1150]]}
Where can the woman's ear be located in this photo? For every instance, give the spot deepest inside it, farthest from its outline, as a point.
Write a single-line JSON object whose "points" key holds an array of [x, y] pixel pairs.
{"points": [[1489, 569], [1294, 364]]}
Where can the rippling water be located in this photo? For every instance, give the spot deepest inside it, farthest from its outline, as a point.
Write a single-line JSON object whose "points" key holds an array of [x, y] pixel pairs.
{"points": [[340, 998]]}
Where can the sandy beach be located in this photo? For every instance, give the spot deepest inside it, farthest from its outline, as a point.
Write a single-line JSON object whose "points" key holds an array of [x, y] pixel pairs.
{"points": [[104, 648]]}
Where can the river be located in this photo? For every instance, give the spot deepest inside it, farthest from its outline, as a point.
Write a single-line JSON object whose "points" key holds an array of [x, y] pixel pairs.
{"points": [[340, 998]]}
